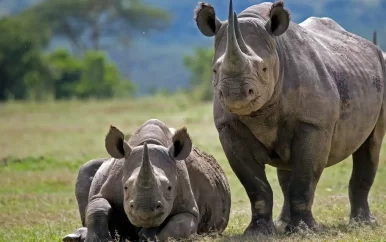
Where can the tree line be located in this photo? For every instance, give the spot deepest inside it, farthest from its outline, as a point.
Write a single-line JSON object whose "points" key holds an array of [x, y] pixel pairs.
{"points": [[29, 71]]}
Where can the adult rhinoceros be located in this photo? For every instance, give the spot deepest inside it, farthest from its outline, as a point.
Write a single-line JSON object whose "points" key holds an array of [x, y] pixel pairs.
{"points": [[299, 97]]}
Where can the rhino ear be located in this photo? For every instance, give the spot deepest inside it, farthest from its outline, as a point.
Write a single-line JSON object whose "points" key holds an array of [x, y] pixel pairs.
{"points": [[279, 19], [115, 143], [206, 19], [182, 145]]}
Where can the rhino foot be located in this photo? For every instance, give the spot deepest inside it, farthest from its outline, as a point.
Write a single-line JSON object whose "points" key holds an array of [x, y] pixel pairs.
{"points": [[148, 234], [71, 238], [281, 224], [364, 218], [300, 225], [78, 235], [260, 227]]}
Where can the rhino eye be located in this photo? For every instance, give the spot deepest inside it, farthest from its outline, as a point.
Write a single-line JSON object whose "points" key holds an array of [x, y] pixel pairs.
{"points": [[169, 188], [214, 71], [125, 187], [265, 69]]}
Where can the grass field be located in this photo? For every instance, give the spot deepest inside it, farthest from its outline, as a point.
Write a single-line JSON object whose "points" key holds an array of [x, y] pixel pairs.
{"points": [[42, 146]]}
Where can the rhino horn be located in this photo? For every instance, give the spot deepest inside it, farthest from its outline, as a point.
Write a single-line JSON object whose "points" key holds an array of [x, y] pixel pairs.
{"points": [[239, 36], [146, 176], [234, 58]]}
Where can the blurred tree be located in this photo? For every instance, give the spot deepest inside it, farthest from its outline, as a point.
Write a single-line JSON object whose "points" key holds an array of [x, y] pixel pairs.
{"points": [[86, 22], [66, 72], [90, 77], [21, 65], [200, 66], [27, 73], [101, 79]]}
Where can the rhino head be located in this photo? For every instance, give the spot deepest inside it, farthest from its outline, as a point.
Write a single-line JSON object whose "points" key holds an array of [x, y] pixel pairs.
{"points": [[150, 175], [245, 64]]}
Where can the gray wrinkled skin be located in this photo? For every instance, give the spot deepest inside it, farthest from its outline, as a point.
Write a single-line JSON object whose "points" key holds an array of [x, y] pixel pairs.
{"points": [[299, 97], [155, 186]]}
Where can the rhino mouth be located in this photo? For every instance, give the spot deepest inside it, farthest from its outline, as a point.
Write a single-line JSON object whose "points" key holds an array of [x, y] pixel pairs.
{"points": [[243, 110], [153, 221]]}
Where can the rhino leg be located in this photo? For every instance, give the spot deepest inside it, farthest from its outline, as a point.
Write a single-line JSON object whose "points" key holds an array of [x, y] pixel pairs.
{"points": [[83, 184], [284, 177], [98, 214], [179, 226], [309, 156], [365, 164], [247, 156]]}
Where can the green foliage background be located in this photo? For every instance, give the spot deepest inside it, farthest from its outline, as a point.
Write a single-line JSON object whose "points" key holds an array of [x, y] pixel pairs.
{"points": [[199, 64], [29, 71]]}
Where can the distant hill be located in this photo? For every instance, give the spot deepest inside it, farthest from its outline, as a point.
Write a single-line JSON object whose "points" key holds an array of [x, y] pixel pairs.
{"points": [[157, 60]]}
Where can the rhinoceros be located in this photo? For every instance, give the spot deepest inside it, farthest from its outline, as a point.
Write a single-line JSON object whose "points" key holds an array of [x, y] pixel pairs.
{"points": [[375, 42], [298, 97], [155, 186]]}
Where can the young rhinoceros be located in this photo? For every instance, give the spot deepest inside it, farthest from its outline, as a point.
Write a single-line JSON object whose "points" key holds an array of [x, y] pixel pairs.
{"points": [[155, 186]]}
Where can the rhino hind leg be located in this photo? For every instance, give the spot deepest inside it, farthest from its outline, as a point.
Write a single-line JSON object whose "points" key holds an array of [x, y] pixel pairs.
{"points": [[78, 235], [365, 164], [83, 184], [283, 219]]}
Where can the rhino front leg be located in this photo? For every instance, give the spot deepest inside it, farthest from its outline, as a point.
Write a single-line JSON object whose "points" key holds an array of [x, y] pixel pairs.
{"points": [[179, 226], [310, 151], [148, 234], [247, 157], [98, 213], [365, 160], [284, 178]]}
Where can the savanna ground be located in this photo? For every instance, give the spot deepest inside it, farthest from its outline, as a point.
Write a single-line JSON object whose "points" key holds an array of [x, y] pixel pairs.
{"points": [[42, 146]]}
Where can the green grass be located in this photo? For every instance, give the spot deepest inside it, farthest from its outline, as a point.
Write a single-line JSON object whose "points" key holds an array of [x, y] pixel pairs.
{"points": [[42, 146]]}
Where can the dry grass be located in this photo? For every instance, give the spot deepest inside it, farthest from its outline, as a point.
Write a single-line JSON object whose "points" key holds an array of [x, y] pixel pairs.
{"points": [[42, 145]]}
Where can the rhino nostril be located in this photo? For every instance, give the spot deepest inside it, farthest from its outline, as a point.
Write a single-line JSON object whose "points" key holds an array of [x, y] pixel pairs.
{"points": [[221, 93], [131, 205], [159, 206], [251, 92]]}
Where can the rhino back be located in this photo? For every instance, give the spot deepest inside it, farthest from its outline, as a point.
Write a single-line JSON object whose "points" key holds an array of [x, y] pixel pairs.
{"points": [[153, 131], [211, 190]]}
